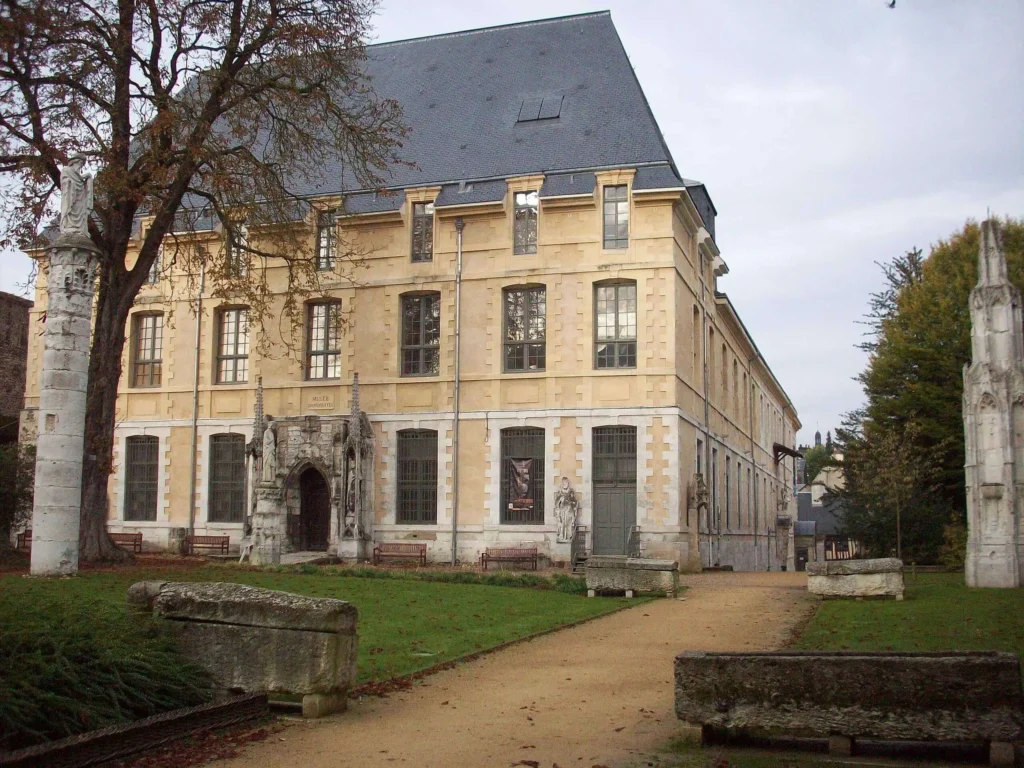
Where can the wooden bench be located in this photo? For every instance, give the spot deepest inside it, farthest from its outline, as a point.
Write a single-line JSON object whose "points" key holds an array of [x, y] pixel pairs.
{"points": [[131, 541], [25, 541], [509, 555], [400, 550], [213, 543]]}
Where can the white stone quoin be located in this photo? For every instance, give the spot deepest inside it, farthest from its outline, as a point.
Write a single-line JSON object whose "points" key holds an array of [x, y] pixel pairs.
{"points": [[57, 504], [994, 423]]}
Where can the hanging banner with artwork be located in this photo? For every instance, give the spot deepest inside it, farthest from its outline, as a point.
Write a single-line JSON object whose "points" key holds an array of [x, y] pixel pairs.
{"points": [[519, 490]]}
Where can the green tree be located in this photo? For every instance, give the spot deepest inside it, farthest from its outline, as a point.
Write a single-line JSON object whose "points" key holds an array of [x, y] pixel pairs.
{"points": [[17, 471], [919, 342], [815, 458]]}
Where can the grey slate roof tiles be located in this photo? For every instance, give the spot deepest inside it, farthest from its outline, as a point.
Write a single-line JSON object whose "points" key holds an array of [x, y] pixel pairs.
{"points": [[470, 193], [561, 185]]}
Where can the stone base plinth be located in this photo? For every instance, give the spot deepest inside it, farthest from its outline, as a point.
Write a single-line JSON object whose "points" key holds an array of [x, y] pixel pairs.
{"points": [[617, 573], [881, 577]]}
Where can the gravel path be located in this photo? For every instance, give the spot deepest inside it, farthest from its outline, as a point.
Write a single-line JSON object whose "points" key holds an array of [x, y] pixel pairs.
{"points": [[596, 694]]}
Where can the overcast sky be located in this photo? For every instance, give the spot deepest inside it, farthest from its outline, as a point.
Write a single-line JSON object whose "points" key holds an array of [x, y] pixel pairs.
{"points": [[830, 135]]}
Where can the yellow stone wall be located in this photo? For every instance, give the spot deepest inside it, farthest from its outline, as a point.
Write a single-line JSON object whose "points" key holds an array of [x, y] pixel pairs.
{"points": [[669, 256]]}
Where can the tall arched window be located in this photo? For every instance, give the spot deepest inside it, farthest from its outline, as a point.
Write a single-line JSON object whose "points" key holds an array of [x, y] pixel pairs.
{"points": [[615, 325], [522, 475], [417, 476], [226, 502]]}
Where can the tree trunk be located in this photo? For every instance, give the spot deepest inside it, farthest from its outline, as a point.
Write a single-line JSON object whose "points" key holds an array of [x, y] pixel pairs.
{"points": [[112, 307]]}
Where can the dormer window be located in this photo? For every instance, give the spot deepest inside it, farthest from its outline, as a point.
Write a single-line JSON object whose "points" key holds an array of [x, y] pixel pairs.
{"points": [[525, 223], [325, 241], [423, 231]]}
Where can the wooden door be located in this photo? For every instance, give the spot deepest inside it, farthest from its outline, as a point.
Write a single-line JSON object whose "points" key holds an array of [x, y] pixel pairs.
{"points": [[614, 467], [315, 511]]}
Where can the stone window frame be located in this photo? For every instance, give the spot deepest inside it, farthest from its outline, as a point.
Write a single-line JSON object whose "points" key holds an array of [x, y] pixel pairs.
{"points": [[132, 466], [235, 486], [326, 241], [621, 343], [147, 362], [525, 344], [422, 244], [525, 221], [615, 204], [236, 255], [237, 359], [155, 269], [422, 367], [405, 440], [323, 363]]}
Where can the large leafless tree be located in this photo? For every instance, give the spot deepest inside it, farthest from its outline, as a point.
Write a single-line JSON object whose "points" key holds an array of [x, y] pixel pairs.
{"points": [[235, 111]]}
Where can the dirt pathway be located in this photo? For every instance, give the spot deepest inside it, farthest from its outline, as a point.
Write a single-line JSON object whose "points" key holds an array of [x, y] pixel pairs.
{"points": [[597, 694]]}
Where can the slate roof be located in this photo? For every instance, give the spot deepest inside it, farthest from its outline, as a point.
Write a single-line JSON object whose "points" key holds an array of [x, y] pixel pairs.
{"points": [[462, 94], [468, 194]]}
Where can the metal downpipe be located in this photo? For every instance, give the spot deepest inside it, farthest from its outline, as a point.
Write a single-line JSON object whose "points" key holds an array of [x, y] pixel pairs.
{"points": [[195, 402], [459, 226]]}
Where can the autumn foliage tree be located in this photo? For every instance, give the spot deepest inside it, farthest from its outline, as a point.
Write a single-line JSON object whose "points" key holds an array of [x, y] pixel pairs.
{"points": [[227, 111], [909, 435]]}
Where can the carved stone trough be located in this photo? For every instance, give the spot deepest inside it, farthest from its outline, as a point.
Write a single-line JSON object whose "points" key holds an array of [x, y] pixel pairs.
{"points": [[260, 640], [618, 573], [880, 577], [964, 697]]}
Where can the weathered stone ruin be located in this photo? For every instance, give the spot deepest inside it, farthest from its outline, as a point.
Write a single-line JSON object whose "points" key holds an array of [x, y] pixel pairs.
{"points": [[880, 577]]}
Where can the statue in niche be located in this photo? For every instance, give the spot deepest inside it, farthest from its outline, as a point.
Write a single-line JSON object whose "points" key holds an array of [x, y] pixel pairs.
{"points": [[269, 452], [567, 510], [76, 198], [350, 499], [783, 496]]}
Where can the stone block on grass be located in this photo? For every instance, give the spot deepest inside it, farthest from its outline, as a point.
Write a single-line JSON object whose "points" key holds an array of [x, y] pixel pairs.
{"points": [[879, 577]]}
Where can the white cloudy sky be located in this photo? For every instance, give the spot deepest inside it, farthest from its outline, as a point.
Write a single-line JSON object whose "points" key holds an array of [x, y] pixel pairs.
{"points": [[831, 134]]}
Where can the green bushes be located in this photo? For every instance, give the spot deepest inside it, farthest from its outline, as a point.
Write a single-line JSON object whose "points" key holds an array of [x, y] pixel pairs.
{"points": [[69, 667]]}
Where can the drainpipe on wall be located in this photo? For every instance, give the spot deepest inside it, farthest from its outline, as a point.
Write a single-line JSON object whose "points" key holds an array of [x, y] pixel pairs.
{"points": [[707, 408], [753, 450], [459, 226], [195, 402]]}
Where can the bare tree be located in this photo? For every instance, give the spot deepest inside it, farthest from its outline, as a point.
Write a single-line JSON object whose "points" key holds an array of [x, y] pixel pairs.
{"points": [[194, 112]]}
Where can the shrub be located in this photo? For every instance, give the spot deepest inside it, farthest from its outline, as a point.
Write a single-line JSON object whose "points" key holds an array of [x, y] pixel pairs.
{"points": [[953, 551]]}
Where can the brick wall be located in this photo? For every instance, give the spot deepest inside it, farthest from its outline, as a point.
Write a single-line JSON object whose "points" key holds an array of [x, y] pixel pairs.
{"points": [[13, 355]]}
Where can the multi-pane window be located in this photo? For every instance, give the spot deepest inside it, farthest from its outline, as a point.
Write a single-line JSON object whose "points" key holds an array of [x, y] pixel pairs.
{"points": [[140, 477], [522, 475], [323, 348], [524, 230], [417, 476], [325, 241], [237, 251], [421, 334], [615, 455], [616, 217], [615, 325], [227, 479], [422, 231], [147, 350], [525, 329], [233, 346], [154, 270]]}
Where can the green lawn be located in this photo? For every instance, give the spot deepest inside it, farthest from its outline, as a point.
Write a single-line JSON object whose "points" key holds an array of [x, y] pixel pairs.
{"points": [[404, 625], [938, 614]]}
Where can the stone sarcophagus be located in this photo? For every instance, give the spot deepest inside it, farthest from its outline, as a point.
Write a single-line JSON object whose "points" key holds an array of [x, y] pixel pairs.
{"points": [[966, 697], [618, 573], [881, 577], [260, 640]]}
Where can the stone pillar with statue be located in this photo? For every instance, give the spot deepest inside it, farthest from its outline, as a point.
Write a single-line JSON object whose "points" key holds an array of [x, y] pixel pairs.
{"points": [[57, 507], [993, 408], [267, 523]]}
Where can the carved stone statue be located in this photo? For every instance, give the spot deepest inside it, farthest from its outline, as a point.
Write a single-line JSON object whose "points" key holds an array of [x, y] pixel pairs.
{"points": [[783, 497], [269, 453], [567, 510], [700, 492], [75, 197]]}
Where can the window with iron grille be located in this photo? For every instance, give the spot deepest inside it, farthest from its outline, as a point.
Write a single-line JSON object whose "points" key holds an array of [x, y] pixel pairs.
{"points": [[421, 334], [616, 217], [525, 329], [147, 350], [524, 229], [325, 240], [323, 346], [233, 346], [140, 477], [227, 479], [518, 444], [237, 251], [615, 455], [417, 476], [615, 325], [422, 231]]}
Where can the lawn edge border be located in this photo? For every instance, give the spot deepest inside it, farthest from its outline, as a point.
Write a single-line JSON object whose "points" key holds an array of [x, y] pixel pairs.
{"points": [[403, 682]]}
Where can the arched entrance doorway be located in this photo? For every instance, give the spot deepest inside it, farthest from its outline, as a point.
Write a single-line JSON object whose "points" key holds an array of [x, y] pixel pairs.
{"points": [[314, 511]]}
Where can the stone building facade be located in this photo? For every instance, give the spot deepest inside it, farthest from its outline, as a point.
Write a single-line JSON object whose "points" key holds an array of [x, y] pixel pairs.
{"points": [[14, 316], [598, 351]]}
